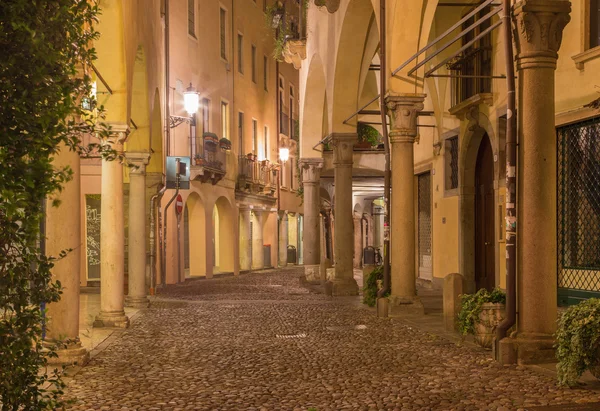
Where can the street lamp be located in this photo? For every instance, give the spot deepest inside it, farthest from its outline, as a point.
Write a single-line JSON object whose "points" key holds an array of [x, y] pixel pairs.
{"points": [[191, 100], [284, 154]]}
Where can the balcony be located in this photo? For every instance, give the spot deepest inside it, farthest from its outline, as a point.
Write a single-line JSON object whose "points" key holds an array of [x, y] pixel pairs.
{"points": [[257, 177], [209, 158]]}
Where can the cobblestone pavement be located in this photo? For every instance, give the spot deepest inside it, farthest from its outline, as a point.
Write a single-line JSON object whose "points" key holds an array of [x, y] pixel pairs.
{"points": [[263, 342]]}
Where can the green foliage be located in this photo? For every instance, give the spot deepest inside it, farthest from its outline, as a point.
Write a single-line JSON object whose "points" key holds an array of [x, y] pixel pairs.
{"points": [[372, 286], [578, 341], [470, 307], [281, 27], [46, 56], [300, 191], [368, 134]]}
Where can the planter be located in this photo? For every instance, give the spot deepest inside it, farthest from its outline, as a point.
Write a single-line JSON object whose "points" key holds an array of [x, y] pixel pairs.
{"points": [[198, 161], [485, 329]]}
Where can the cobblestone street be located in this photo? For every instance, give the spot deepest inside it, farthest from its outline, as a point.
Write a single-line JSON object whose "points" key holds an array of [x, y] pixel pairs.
{"points": [[263, 342]]}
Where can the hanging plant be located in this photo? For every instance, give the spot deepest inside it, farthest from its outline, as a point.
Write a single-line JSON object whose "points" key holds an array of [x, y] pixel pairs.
{"points": [[275, 19], [368, 134]]}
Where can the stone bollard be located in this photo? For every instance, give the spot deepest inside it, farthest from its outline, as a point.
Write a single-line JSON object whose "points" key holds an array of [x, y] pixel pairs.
{"points": [[367, 270], [453, 288], [325, 265]]}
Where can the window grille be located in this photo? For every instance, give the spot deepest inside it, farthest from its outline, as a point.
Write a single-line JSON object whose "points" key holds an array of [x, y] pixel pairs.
{"points": [[192, 17], [424, 228], [222, 28], [474, 61], [578, 210], [451, 153]]}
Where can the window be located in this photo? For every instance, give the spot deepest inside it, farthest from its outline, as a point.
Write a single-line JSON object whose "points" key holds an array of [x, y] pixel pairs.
{"points": [[291, 134], [241, 132], [594, 37], [241, 53], [253, 63], [192, 18], [451, 163], [476, 60], [266, 143], [254, 136], [265, 72], [224, 119], [282, 175], [223, 31], [205, 115]]}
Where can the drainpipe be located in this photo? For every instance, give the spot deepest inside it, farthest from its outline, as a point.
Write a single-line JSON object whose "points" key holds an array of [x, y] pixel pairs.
{"points": [[366, 230], [153, 201], [511, 185], [167, 82], [386, 191]]}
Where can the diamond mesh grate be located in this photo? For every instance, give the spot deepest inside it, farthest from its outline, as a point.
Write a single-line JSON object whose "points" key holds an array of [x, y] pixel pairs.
{"points": [[579, 206], [424, 229], [453, 142]]}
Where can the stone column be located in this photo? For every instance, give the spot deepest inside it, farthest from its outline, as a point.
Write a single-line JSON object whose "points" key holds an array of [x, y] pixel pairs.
{"points": [[283, 239], [311, 180], [258, 254], [137, 230], [344, 282], [63, 231], [112, 238], [539, 26], [245, 245], [403, 110]]}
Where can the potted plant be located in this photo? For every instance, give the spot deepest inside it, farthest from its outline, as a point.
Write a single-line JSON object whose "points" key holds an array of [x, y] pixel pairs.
{"points": [[480, 314], [198, 160], [225, 144], [578, 342]]}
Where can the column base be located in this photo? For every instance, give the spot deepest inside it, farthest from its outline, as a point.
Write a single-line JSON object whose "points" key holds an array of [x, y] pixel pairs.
{"points": [[405, 305], [313, 273], [114, 319], [137, 302], [71, 354], [527, 349], [342, 287]]}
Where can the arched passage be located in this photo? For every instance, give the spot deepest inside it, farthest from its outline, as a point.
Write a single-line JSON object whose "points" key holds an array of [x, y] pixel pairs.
{"points": [[224, 236], [195, 236]]}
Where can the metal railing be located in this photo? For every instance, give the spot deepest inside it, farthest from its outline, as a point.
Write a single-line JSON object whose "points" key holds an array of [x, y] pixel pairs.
{"points": [[207, 153], [257, 176], [471, 73]]}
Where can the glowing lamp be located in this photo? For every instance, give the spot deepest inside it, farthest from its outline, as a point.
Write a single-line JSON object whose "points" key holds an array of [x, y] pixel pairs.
{"points": [[284, 154], [191, 100]]}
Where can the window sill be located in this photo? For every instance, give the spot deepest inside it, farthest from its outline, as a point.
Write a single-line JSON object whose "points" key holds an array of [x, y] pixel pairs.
{"points": [[581, 58], [193, 38]]}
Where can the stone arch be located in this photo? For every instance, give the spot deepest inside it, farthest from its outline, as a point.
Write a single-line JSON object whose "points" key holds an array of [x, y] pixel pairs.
{"points": [[156, 136], [111, 64], [139, 139], [349, 62], [312, 111], [476, 130], [195, 244], [224, 236]]}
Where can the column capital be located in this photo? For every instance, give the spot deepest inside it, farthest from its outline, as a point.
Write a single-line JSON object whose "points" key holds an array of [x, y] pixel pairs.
{"points": [[139, 161], [404, 109], [311, 170], [343, 148], [538, 28], [118, 132]]}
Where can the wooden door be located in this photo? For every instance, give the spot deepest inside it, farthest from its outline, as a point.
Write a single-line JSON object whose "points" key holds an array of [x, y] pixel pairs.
{"points": [[485, 266]]}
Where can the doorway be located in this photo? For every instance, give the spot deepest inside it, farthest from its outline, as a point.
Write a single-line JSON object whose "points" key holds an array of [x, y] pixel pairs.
{"points": [[485, 276]]}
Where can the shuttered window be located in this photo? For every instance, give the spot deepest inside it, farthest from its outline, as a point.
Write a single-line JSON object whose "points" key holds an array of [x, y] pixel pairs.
{"points": [[192, 17], [222, 27]]}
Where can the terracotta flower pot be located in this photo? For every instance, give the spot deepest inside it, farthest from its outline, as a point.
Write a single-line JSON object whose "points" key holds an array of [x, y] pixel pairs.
{"points": [[490, 317]]}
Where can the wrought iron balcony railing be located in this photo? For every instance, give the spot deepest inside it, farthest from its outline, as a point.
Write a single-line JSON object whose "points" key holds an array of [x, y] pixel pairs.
{"points": [[258, 177]]}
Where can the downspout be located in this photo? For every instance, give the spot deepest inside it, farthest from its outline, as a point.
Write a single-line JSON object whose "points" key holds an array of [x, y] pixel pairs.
{"points": [[511, 185], [366, 230], [153, 202], [387, 176], [167, 80]]}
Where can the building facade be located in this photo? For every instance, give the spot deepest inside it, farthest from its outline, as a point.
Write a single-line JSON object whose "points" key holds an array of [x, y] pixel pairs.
{"points": [[242, 208], [447, 115]]}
